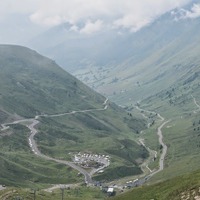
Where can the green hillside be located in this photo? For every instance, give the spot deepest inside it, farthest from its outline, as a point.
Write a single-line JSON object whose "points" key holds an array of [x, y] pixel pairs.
{"points": [[32, 85], [179, 188], [179, 103], [81, 192]]}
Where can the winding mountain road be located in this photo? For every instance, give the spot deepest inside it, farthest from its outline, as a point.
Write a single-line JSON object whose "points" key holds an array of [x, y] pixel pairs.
{"points": [[32, 143], [77, 111], [164, 148], [33, 122], [160, 139]]}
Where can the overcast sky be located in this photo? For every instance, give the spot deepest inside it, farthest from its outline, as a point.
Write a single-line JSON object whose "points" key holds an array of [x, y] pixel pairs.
{"points": [[94, 15]]}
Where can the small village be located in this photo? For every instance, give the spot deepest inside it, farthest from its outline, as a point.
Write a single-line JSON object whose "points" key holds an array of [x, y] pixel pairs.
{"points": [[98, 163], [95, 161]]}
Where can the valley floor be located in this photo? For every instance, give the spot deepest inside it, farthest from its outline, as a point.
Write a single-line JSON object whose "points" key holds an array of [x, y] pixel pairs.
{"points": [[160, 123], [32, 123]]}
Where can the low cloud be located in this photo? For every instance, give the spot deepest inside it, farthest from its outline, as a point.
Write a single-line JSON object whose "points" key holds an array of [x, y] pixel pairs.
{"points": [[132, 22], [47, 21], [92, 27], [8, 7], [95, 14], [193, 13]]}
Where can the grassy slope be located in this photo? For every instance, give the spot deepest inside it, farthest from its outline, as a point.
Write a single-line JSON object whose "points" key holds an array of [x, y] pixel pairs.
{"points": [[182, 133], [182, 138], [173, 189], [154, 74], [85, 193], [19, 167], [32, 84], [93, 132], [26, 78]]}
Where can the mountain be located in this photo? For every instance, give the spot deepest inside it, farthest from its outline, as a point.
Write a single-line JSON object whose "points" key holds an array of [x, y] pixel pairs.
{"points": [[30, 85], [161, 54], [81, 50], [124, 65]]}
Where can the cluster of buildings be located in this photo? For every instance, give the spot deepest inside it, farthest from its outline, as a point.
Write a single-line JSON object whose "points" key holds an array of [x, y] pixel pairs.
{"points": [[98, 162], [112, 189], [92, 160]]}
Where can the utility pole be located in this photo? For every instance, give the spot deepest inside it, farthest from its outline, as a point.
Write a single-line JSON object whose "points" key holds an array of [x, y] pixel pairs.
{"points": [[34, 194], [62, 191]]}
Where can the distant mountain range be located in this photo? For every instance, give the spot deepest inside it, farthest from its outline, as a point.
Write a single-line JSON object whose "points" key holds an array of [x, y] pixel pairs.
{"points": [[117, 61]]}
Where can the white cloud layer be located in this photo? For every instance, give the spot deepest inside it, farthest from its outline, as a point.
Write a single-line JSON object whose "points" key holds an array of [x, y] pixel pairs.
{"points": [[194, 13], [94, 14], [17, 6], [92, 27]]}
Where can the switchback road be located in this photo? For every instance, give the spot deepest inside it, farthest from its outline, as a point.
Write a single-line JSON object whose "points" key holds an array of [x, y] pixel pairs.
{"points": [[164, 148], [160, 139], [32, 143]]}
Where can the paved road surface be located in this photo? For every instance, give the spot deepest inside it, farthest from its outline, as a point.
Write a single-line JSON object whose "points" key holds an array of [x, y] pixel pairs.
{"points": [[36, 151], [164, 148]]}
